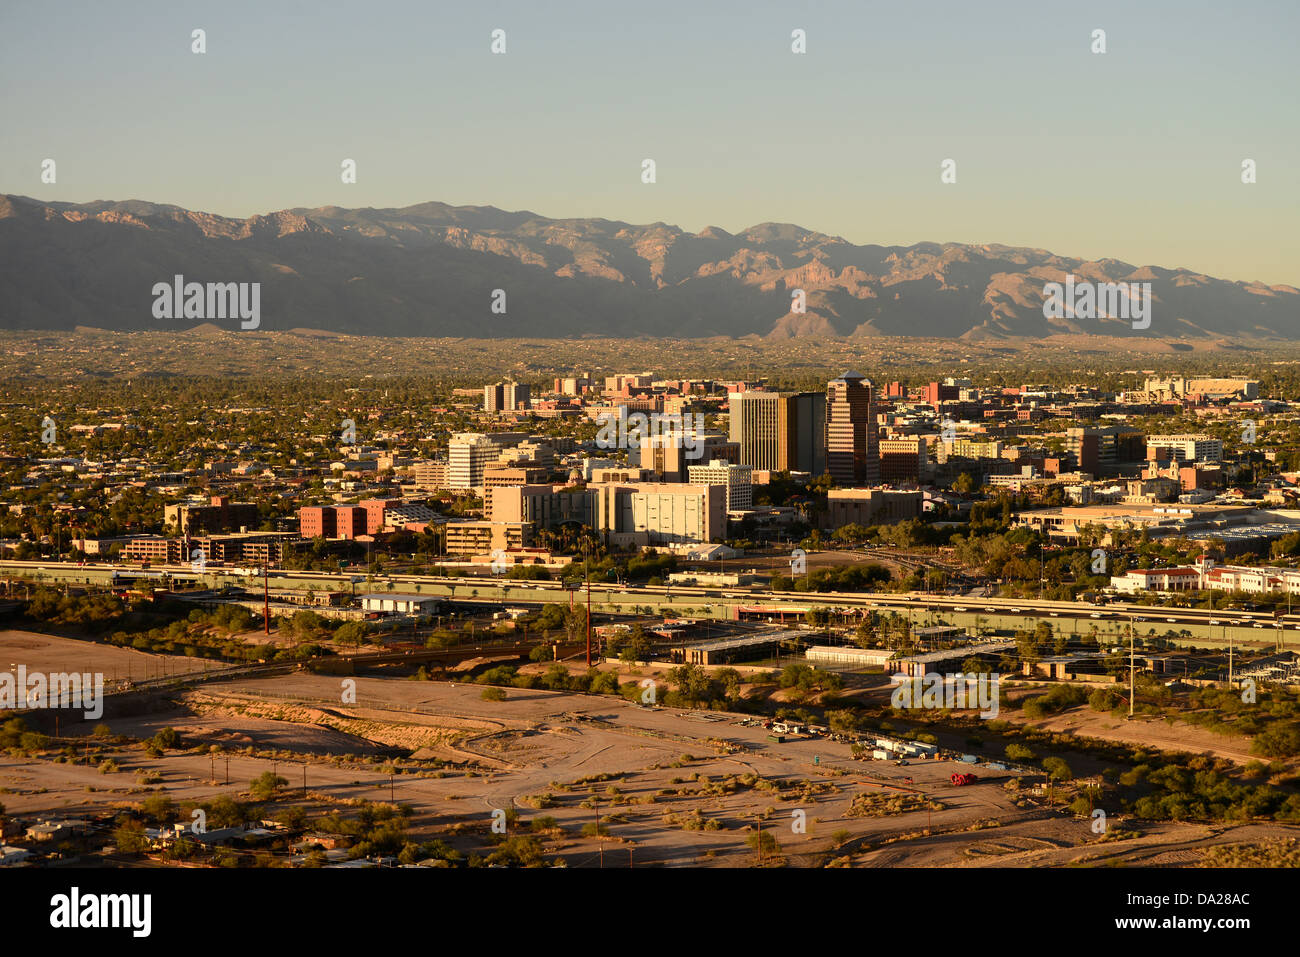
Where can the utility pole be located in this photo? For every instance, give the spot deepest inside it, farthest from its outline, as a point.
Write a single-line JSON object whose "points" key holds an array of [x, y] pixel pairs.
{"points": [[1132, 671], [587, 573], [1229, 656], [266, 598]]}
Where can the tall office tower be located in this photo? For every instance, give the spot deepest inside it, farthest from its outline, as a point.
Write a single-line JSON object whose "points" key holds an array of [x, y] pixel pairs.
{"points": [[852, 443], [802, 430], [752, 423], [470, 453], [515, 394], [505, 397], [780, 430], [1104, 450]]}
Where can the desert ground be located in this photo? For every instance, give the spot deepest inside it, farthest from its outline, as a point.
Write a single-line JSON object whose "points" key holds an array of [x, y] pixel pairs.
{"points": [[671, 787]]}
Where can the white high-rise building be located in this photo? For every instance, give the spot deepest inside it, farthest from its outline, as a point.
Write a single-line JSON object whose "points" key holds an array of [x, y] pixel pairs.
{"points": [[469, 453], [737, 479], [1185, 448]]}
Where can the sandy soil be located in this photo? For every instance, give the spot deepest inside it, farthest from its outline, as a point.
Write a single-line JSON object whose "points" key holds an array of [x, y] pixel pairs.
{"points": [[47, 653], [1146, 731], [532, 751]]}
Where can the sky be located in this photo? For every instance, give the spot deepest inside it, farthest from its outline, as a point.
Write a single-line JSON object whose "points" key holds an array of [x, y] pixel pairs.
{"points": [[1135, 154]]}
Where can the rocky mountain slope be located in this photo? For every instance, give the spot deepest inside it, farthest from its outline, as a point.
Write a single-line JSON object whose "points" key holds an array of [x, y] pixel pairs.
{"points": [[431, 270]]}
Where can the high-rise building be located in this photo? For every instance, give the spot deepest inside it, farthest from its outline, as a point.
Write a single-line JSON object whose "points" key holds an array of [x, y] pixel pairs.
{"points": [[903, 459], [780, 431], [505, 397], [469, 453], [219, 514], [852, 443], [1185, 448], [1101, 450], [622, 513], [670, 454], [429, 473], [333, 521], [736, 479]]}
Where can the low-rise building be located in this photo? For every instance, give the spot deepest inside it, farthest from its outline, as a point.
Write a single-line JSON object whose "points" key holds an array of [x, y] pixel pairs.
{"points": [[395, 603]]}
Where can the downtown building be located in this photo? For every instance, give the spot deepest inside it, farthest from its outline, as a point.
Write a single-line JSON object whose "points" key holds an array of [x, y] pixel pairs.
{"points": [[852, 442], [620, 513], [779, 431], [1184, 448], [218, 514], [738, 480], [672, 454], [1104, 450], [904, 459], [470, 453], [505, 397]]}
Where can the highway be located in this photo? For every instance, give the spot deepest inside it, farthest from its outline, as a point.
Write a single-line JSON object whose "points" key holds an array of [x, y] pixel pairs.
{"points": [[1202, 625]]}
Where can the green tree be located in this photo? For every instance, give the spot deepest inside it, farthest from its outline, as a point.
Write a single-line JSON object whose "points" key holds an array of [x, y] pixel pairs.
{"points": [[267, 785], [129, 837]]}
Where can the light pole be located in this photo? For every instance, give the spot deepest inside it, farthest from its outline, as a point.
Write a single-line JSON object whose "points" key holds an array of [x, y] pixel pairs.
{"points": [[1132, 670], [1240, 622], [586, 572]]}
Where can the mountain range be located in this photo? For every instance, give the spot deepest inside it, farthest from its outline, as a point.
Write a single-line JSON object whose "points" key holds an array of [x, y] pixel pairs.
{"points": [[433, 269]]}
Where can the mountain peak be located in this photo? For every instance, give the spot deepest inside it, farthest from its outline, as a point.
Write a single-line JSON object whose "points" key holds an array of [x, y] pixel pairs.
{"points": [[432, 268]]}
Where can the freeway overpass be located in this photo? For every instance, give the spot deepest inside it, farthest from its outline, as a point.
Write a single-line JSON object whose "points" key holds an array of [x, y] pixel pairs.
{"points": [[1200, 625]]}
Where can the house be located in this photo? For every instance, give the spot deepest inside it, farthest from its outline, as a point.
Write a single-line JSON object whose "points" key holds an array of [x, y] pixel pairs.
{"points": [[11, 856]]}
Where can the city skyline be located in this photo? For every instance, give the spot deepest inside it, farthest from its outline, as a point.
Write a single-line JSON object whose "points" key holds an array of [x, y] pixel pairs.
{"points": [[778, 435]]}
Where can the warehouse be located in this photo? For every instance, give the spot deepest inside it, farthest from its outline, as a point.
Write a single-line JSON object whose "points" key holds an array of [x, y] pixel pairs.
{"points": [[850, 655]]}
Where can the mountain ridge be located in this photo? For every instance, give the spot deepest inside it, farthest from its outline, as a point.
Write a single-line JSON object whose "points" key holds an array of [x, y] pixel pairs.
{"points": [[431, 269]]}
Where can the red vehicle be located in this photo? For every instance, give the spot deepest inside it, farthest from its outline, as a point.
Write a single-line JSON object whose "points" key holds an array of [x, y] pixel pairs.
{"points": [[959, 779]]}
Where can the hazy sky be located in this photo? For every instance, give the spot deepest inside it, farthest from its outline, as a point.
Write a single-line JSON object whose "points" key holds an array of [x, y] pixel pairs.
{"points": [[1135, 154]]}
